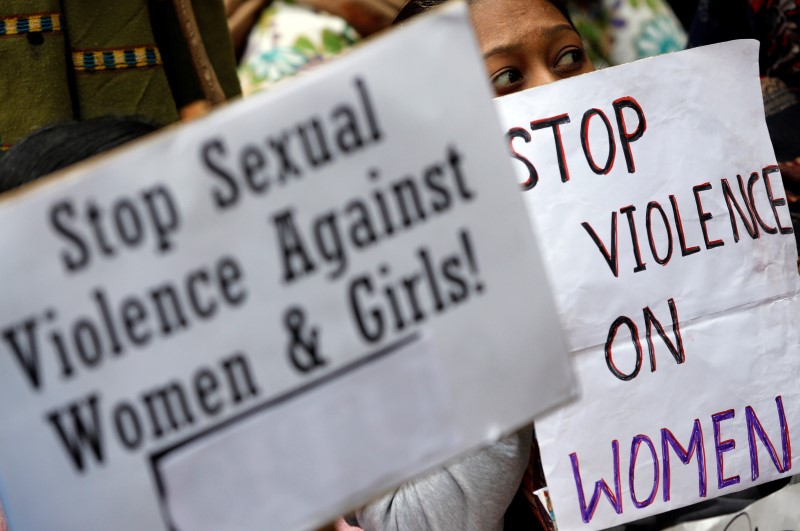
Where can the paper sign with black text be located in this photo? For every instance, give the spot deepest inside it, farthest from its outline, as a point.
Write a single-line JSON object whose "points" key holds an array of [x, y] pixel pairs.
{"points": [[263, 318], [659, 208]]}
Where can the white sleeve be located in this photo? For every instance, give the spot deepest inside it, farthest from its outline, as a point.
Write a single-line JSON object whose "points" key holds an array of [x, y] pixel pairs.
{"points": [[469, 495]]}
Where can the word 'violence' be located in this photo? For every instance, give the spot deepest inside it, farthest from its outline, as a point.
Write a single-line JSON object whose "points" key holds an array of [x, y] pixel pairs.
{"points": [[120, 323], [742, 207]]}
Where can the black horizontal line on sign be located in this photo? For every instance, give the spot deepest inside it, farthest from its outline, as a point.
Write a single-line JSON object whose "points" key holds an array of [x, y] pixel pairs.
{"points": [[157, 456]]}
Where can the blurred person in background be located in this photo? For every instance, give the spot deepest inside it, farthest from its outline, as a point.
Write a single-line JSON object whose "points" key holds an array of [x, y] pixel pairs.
{"points": [[622, 31], [776, 25], [76, 60], [60, 145], [277, 39]]}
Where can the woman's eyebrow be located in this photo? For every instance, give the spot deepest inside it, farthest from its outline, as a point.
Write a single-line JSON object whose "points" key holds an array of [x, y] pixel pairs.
{"points": [[548, 33], [552, 31], [501, 49]]}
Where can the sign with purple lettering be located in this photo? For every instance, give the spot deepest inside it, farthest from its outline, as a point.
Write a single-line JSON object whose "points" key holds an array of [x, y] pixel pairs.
{"points": [[659, 207], [265, 318]]}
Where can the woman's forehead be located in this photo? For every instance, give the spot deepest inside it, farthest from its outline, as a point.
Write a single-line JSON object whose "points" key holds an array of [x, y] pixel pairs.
{"points": [[501, 22], [513, 9]]}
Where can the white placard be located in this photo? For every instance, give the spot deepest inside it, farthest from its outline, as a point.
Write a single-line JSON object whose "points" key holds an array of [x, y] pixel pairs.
{"points": [[350, 250], [655, 193]]}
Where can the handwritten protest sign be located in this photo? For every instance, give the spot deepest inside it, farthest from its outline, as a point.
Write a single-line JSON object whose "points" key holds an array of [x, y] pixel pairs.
{"points": [[655, 193], [263, 318]]}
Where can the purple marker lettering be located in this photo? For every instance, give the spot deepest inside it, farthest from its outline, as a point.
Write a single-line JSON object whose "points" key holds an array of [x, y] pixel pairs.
{"points": [[754, 427], [696, 445], [723, 446], [635, 444], [615, 498]]}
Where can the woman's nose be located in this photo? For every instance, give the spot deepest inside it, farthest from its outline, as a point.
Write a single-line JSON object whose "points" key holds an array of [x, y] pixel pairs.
{"points": [[541, 75]]}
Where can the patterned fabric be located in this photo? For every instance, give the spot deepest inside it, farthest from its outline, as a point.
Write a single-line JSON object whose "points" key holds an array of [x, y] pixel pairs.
{"points": [[41, 23], [141, 56], [288, 39], [64, 60], [621, 31]]}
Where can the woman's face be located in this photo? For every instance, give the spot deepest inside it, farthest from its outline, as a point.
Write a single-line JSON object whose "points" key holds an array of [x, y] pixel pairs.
{"points": [[527, 43]]}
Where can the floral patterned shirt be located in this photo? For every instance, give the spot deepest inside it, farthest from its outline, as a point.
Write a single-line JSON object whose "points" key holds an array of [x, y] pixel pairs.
{"points": [[288, 39], [621, 31]]}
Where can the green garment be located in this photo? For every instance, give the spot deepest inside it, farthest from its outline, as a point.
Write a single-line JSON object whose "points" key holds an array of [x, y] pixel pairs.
{"points": [[78, 59]]}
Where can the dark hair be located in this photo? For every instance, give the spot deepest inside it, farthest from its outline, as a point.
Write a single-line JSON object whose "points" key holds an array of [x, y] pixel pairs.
{"points": [[60, 145], [415, 7]]}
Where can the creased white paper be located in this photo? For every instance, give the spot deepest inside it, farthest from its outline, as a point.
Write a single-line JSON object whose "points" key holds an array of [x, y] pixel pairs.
{"points": [[659, 207]]}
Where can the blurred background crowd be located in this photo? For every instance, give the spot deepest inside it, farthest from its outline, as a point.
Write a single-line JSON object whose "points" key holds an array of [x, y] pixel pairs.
{"points": [[164, 60]]}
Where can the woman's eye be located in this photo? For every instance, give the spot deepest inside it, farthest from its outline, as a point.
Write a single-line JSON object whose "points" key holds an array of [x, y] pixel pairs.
{"points": [[570, 58], [506, 78]]}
